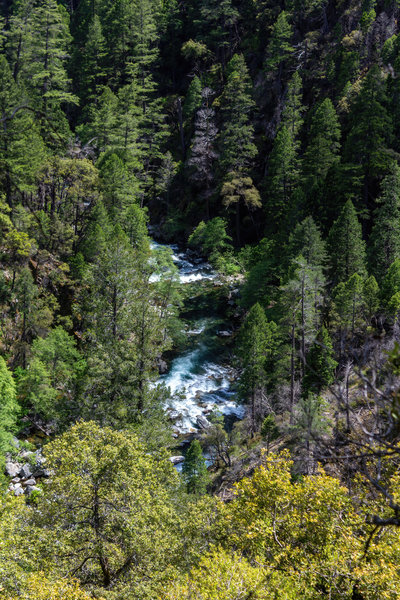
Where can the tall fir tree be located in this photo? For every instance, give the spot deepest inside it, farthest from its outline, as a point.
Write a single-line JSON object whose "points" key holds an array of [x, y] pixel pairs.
{"points": [[346, 246], [384, 242]]}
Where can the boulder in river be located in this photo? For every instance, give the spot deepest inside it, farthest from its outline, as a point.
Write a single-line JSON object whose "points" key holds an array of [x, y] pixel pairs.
{"points": [[202, 422], [176, 460], [224, 334], [162, 366]]}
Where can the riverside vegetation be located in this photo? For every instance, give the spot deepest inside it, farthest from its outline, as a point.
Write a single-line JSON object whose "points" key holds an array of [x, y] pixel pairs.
{"points": [[259, 142]]}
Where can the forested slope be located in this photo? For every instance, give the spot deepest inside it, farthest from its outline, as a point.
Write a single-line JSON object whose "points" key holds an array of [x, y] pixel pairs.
{"points": [[264, 137]]}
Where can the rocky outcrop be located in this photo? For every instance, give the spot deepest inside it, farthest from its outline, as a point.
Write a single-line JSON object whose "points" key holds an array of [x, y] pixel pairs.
{"points": [[25, 470]]}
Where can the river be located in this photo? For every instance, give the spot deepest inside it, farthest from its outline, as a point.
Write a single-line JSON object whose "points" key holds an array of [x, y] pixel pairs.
{"points": [[200, 379]]}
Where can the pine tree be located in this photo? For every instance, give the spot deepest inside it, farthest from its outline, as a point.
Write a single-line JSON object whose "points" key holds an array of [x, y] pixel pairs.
{"points": [[193, 99], [371, 131], [282, 179], [292, 114], [349, 305], [306, 241], [384, 242], [280, 47], [218, 21], [320, 364], [237, 147], [21, 147], [346, 246], [43, 71], [257, 344], [391, 282], [91, 62], [237, 135], [194, 470], [371, 295], [321, 154], [9, 408], [301, 298]]}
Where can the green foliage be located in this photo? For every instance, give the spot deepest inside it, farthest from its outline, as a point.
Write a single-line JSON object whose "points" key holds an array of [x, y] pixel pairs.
{"points": [[108, 501], [320, 364], [9, 408], [384, 243], [50, 384], [347, 248], [194, 470]]}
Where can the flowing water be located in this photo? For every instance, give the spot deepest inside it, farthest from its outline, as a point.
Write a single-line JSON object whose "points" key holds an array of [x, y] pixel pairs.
{"points": [[200, 380]]}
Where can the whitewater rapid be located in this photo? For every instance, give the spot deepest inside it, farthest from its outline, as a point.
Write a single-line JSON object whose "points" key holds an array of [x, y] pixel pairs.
{"points": [[198, 382]]}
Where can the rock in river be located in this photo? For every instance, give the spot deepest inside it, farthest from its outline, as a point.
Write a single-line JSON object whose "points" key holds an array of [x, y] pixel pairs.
{"points": [[176, 460], [202, 422]]}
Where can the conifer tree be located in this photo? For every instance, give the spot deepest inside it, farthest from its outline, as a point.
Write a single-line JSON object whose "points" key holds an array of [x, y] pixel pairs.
{"points": [[346, 246], [321, 154], [44, 70], [280, 47], [384, 243], [306, 241], [281, 182], [9, 408], [92, 62], [237, 135], [320, 364], [391, 282], [257, 343], [292, 114], [371, 131], [218, 21], [371, 297], [237, 147], [194, 470], [21, 146]]}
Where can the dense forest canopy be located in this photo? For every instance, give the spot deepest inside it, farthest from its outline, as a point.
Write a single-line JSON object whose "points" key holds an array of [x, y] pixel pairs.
{"points": [[258, 144]]}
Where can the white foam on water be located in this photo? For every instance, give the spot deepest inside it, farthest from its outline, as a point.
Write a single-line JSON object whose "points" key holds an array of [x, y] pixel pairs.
{"points": [[190, 380]]}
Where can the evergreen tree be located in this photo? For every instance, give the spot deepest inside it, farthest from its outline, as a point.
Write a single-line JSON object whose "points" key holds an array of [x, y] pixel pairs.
{"points": [[236, 140], [281, 182], [371, 297], [320, 364], [9, 408], [292, 114], [21, 147], [194, 470], [391, 282], [346, 246], [321, 154], [236, 137], [280, 47], [91, 62], [257, 344], [370, 133], [44, 70], [306, 241], [384, 243]]}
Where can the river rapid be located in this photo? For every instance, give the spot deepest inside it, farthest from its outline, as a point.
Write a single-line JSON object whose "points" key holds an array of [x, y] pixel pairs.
{"points": [[200, 380]]}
